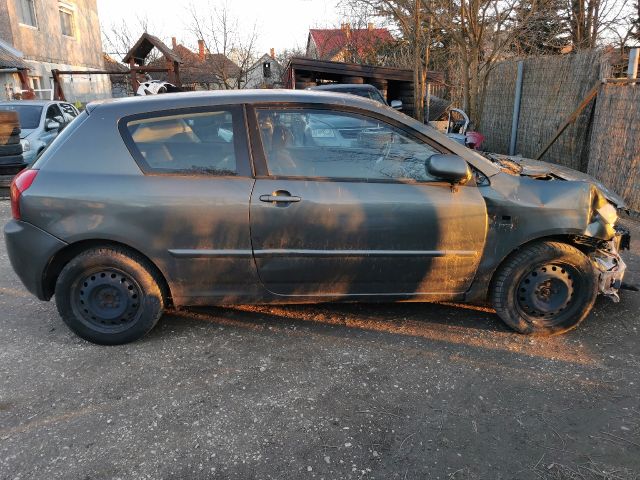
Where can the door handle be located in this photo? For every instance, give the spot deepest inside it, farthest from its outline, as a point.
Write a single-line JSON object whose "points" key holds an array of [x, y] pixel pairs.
{"points": [[280, 197]]}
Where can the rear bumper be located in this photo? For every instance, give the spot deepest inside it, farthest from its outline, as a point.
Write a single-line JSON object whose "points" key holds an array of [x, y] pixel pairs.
{"points": [[30, 250]]}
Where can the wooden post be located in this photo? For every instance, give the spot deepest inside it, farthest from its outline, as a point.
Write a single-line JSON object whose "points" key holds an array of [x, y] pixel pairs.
{"points": [[632, 70], [171, 77], [24, 85], [572, 118], [134, 78], [176, 74], [58, 93]]}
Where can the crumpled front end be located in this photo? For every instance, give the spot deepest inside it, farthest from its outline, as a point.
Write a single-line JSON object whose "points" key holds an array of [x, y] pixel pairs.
{"points": [[608, 263], [607, 240], [523, 208]]}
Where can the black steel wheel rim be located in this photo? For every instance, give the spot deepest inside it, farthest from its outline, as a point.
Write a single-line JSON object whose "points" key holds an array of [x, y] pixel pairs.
{"points": [[547, 291], [107, 300]]}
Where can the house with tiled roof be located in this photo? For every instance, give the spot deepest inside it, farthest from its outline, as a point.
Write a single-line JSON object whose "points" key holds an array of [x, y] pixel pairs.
{"points": [[203, 70], [266, 72], [347, 44], [120, 82]]}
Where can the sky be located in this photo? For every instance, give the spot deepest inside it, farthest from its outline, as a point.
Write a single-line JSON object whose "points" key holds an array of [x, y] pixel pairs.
{"points": [[280, 23]]}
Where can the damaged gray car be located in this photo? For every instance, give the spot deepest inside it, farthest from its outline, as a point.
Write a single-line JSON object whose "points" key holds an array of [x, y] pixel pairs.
{"points": [[292, 197]]}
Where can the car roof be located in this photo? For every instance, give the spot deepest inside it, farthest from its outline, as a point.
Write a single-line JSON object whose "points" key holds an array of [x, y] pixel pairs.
{"points": [[343, 86], [148, 103]]}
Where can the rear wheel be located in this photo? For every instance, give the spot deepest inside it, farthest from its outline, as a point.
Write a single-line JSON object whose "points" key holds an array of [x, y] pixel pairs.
{"points": [[545, 288], [109, 296]]}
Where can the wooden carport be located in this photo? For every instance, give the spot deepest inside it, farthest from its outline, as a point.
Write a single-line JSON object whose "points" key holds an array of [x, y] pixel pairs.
{"points": [[394, 83], [137, 57]]}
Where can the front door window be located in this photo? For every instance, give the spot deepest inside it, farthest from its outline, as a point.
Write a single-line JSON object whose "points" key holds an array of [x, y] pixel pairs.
{"points": [[330, 144]]}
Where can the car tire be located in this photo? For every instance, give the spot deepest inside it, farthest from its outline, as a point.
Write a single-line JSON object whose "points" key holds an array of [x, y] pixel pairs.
{"points": [[13, 139], [6, 150], [13, 169], [109, 295], [546, 288], [11, 159]]}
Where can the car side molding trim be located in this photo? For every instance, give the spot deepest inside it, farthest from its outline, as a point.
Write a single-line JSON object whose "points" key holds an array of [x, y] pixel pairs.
{"points": [[270, 253], [363, 253], [202, 253]]}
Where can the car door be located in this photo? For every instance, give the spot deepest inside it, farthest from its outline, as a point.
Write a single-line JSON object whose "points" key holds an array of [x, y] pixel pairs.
{"points": [[192, 205], [343, 205]]}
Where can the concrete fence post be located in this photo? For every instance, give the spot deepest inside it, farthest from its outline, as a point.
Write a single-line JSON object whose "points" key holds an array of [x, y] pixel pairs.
{"points": [[516, 109], [632, 70]]}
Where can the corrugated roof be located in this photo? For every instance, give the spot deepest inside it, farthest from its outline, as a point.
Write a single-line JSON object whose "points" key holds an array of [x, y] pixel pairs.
{"points": [[9, 60]]}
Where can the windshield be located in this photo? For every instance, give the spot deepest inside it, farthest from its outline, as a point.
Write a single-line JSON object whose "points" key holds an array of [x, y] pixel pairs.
{"points": [[370, 94], [29, 115]]}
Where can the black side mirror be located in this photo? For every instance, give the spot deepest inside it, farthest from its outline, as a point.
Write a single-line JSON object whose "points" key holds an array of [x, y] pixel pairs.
{"points": [[449, 167]]}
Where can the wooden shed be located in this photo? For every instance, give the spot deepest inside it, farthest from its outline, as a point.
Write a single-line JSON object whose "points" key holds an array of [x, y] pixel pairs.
{"points": [[394, 83]]}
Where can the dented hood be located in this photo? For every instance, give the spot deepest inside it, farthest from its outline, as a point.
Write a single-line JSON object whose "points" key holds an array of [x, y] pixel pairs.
{"points": [[549, 171]]}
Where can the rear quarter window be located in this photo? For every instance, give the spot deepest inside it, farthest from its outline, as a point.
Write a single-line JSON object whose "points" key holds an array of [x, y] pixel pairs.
{"points": [[60, 140], [188, 143]]}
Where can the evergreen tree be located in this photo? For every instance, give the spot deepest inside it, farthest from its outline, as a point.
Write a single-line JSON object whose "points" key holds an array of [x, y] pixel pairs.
{"points": [[545, 30]]}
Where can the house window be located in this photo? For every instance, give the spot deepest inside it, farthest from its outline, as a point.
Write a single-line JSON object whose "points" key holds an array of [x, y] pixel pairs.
{"points": [[66, 21], [35, 83], [27, 12]]}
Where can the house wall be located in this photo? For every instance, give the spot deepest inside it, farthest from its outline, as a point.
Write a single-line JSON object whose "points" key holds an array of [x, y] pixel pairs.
{"points": [[312, 48], [256, 79], [46, 48]]}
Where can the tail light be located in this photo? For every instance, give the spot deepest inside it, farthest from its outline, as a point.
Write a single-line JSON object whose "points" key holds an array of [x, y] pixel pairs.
{"points": [[19, 185]]}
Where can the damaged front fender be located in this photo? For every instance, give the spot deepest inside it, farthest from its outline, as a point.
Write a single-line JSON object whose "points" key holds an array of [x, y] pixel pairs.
{"points": [[523, 209], [603, 216]]}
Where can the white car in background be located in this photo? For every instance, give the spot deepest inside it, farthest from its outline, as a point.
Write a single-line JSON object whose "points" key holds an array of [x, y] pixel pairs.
{"points": [[40, 122]]}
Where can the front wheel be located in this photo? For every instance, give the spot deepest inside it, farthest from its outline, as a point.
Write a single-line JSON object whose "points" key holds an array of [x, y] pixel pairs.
{"points": [[109, 296], [545, 288]]}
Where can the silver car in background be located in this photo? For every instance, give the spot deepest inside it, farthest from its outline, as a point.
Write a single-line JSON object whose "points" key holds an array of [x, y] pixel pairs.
{"points": [[40, 122]]}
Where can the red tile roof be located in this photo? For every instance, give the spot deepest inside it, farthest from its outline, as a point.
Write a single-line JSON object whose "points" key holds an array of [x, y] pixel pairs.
{"points": [[214, 68], [331, 41]]}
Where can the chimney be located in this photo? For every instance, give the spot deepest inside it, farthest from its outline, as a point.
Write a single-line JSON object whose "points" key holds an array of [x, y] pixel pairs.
{"points": [[174, 42], [346, 28], [201, 49], [370, 26], [272, 52]]}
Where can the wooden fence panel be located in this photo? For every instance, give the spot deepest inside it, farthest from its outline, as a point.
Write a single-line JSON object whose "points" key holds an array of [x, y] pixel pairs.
{"points": [[614, 156], [498, 107], [552, 88]]}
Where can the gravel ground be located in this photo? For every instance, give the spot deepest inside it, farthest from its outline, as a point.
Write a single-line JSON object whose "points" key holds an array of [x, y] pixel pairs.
{"points": [[405, 391]]}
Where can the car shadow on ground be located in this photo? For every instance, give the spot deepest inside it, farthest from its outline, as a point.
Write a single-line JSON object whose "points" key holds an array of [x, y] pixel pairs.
{"points": [[469, 330], [381, 317]]}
